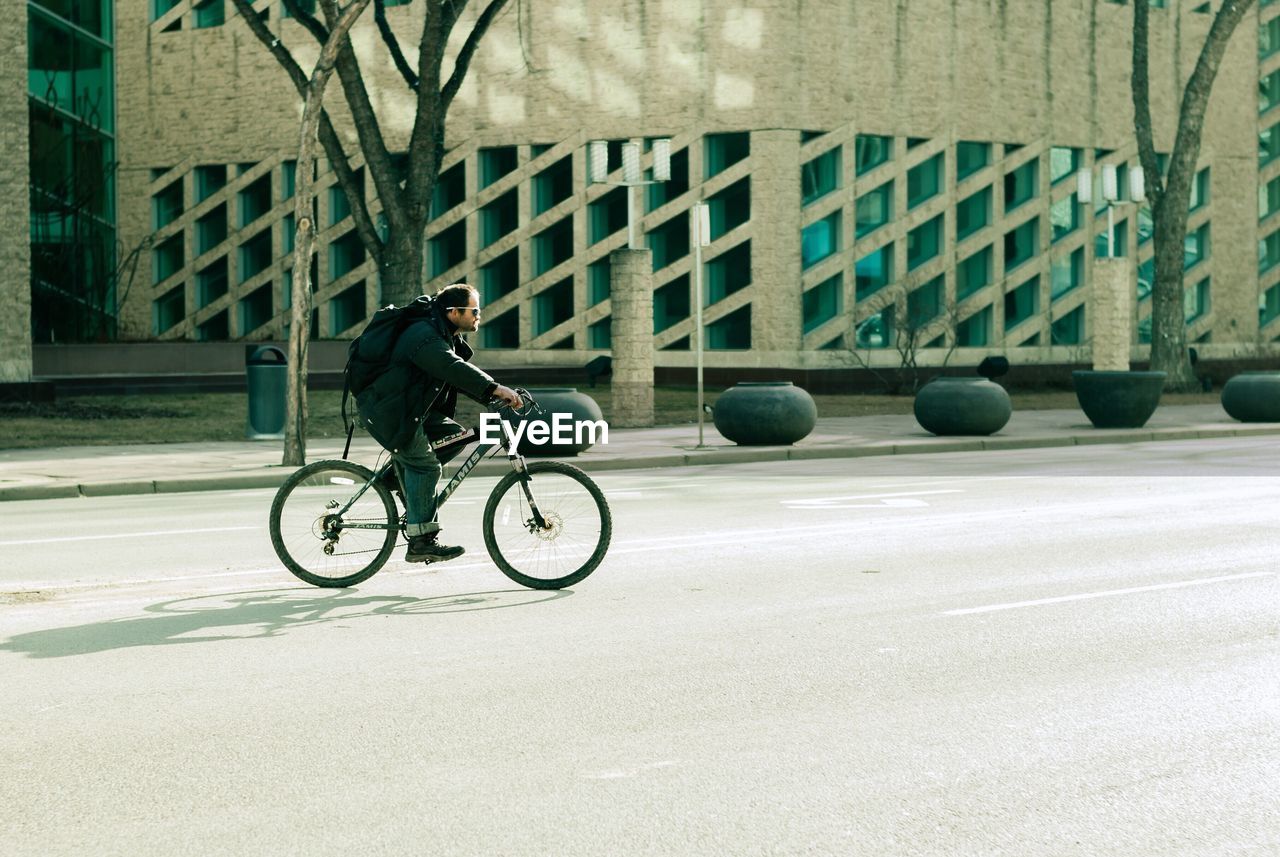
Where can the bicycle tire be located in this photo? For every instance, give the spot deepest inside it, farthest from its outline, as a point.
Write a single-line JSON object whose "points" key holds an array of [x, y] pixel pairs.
{"points": [[296, 531], [580, 531]]}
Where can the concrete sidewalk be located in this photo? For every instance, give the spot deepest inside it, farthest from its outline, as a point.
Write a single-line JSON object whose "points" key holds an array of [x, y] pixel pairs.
{"points": [[91, 471]]}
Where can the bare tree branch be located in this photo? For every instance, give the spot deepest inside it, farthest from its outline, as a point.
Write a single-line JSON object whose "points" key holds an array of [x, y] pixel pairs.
{"points": [[333, 149], [393, 44], [463, 62], [1141, 86], [305, 18]]}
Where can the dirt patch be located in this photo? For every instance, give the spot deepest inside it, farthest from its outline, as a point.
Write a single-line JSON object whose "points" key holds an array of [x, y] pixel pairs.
{"points": [[29, 597]]}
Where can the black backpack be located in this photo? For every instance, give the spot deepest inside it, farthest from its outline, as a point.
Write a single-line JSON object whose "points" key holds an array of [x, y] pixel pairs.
{"points": [[369, 354]]}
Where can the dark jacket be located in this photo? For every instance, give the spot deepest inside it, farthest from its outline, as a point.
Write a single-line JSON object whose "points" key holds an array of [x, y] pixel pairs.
{"points": [[428, 368]]}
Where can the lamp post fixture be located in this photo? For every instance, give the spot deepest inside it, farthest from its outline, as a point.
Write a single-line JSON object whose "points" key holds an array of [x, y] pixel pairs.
{"points": [[1111, 195], [632, 177]]}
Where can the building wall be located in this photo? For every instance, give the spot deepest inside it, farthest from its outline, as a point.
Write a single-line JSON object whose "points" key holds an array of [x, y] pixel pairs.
{"points": [[1032, 80], [15, 226]]}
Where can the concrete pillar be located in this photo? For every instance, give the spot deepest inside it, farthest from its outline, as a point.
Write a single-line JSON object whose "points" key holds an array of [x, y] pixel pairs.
{"points": [[15, 216], [776, 312], [1110, 313], [631, 286]]}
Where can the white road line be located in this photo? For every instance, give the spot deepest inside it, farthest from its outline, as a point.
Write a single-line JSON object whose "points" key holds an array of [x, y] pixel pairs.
{"points": [[126, 535], [1084, 596]]}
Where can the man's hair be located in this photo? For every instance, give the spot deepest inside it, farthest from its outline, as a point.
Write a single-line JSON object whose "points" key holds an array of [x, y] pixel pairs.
{"points": [[454, 295]]}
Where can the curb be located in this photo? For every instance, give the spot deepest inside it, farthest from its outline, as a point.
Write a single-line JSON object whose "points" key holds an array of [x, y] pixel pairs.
{"points": [[274, 476]]}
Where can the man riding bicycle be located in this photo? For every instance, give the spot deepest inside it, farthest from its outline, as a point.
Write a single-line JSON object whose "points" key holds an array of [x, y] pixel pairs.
{"points": [[411, 404]]}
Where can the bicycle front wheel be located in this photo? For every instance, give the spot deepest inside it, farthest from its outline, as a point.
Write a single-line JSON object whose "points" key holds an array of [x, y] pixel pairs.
{"points": [[318, 544], [576, 535]]}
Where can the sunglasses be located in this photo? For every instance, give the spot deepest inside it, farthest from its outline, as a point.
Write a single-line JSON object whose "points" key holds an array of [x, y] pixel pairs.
{"points": [[474, 310]]}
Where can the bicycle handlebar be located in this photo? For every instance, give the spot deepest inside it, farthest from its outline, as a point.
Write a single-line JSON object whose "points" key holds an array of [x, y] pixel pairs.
{"points": [[529, 406]]}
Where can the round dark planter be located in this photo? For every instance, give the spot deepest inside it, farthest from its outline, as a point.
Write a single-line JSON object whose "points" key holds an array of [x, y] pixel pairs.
{"points": [[1253, 397], [765, 413], [964, 406], [573, 405], [1118, 399]]}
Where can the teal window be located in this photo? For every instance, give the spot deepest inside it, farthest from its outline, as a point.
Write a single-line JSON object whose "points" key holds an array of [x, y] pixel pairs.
{"points": [[875, 331], [168, 258], [211, 229], [1200, 190], [502, 216], [971, 157], [450, 189], [347, 309], [1021, 185], [500, 277], [1022, 303], [671, 304], [1269, 196], [670, 241], [1196, 300], [495, 163], [1063, 163], [925, 303], [255, 200], [1269, 38], [211, 282], [924, 181], [1269, 91], [1064, 217], [210, 13], [820, 176], [502, 331], [339, 205], [1268, 306], [1146, 225], [975, 331], [733, 332], [215, 329], [1269, 144], [874, 209], [728, 273], [1195, 247], [1268, 252], [255, 309], [553, 306], [346, 254], [820, 239], [600, 334], [1146, 278], [973, 213], [553, 185], [730, 208], [552, 246], [873, 272], [255, 254], [722, 151], [870, 151], [1120, 247], [1066, 273], [659, 194], [210, 179], [288, 179], [171, 308], [166, 206], [1069, 329], [822, 302], [924, 243], [599, 281], [973, 273], [1021, 244], [448, 249]]}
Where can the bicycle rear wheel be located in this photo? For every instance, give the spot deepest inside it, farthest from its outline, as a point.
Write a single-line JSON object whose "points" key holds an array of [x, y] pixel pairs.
{"points": [[317, 544], [575, 539]]}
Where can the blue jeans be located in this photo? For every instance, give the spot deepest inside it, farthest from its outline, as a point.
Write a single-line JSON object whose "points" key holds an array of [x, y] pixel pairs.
{"points": [[419, 469]]}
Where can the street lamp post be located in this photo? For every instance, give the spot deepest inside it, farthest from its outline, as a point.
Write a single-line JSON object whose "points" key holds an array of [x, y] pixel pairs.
{"points": [[701, 217], [632, 177], [1111, 195]]}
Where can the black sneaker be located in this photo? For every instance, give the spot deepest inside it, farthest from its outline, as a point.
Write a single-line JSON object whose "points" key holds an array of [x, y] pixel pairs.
{"points": [[428, 549]]}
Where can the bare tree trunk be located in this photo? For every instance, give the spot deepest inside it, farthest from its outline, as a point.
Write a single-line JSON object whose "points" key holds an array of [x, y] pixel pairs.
{"points": [[1171, 200], [295, 428]]}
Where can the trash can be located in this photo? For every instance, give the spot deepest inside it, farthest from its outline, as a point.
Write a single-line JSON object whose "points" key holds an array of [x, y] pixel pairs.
{"points": [[266, 375]]}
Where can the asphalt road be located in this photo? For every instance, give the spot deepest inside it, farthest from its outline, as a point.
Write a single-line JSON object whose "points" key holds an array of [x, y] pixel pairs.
{"points": [[1051, 652]]}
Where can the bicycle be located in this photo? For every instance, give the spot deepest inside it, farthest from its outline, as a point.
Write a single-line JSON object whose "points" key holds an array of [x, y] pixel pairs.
{"points": [[546, 524]]}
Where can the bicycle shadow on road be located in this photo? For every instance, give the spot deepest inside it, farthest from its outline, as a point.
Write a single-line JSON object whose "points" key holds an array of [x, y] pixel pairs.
{"points": [[246, 615]]}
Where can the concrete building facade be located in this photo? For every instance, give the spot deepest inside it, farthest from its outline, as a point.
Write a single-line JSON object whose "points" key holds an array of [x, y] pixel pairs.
{"points": [[877, 171]]}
